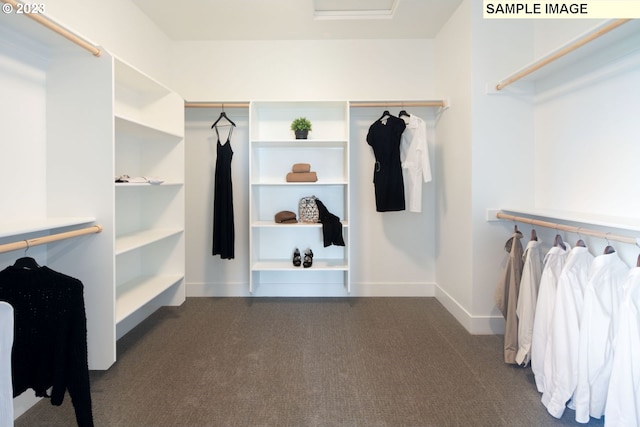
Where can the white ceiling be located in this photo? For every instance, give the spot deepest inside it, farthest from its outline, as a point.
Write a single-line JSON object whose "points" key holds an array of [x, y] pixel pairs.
{"points": [[291, 20]]}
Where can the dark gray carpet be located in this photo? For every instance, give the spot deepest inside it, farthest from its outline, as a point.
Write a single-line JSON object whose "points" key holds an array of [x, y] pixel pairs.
{"points": [[308, 362]]}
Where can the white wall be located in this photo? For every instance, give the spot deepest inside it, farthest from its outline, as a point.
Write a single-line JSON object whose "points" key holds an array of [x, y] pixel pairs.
{"points": [[483, 144], [586, 136], [400, 239], [304, 70], [121, 28], [453, 165]]}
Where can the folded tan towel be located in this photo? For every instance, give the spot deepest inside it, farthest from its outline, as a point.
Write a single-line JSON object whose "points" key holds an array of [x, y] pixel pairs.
{"points": [[302, 177], [285, 217], [301, 167]]}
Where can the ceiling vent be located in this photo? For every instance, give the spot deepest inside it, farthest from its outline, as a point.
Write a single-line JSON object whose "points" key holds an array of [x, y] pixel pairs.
{"points": [[354, 9]]}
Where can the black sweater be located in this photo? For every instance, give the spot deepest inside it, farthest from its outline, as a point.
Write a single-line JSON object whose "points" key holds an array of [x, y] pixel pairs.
{"points": [[50, 339]]}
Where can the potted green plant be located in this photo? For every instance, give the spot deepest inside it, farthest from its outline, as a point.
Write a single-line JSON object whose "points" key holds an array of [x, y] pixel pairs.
{"points": [[301, 126]]}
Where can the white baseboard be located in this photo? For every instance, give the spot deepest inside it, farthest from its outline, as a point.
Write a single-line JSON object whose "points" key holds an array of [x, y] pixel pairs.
{"points": [[475, 325], [318, 290]]}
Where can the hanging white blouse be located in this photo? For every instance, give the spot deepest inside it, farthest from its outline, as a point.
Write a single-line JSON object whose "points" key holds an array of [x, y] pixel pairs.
{"points": [[601, 301], [414, 155], [623, 396], [553, 263], [562, 348], [527, 297], [6, 344]]}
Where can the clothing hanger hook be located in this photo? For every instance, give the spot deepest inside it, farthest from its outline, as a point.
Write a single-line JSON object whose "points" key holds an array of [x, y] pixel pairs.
{"points": [[27, 248], [606, 237]]}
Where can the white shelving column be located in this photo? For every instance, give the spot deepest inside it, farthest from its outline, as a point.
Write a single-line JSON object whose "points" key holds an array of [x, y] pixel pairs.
{"points": [[149, 218], [273, 151]]}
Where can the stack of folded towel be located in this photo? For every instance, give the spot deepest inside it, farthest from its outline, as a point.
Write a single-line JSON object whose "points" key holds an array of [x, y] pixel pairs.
{"points": [[301, 172]]}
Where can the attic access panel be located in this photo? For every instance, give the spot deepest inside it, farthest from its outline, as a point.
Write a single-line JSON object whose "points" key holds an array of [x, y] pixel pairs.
{"points": [[354, 9]]}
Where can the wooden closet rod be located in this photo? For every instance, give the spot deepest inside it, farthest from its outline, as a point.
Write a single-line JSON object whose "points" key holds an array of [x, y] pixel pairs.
{"points": [[571, 229], [216, 104], [439, 103], [26, 244], [562, 52], [41, 19]]}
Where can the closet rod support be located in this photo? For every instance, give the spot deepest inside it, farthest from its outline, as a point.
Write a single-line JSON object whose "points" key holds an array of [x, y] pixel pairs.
{"points": [[57, 28]]}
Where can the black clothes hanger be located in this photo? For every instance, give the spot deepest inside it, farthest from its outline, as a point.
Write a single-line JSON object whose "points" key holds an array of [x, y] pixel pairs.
{"points": [[385, 115], [220, 117], [403, 113], [558, 242], [581, 243], [638, 261], [609, 250], [27, 263], [534, 235]]}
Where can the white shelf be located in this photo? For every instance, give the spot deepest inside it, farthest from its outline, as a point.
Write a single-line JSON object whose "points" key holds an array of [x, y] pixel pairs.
{"points": [[139, 129], [37, 225], [264, 224], [283, 182], [140, 239], [146, 184], [134, 294], [287, 265], [299, 143], [626, 37]]}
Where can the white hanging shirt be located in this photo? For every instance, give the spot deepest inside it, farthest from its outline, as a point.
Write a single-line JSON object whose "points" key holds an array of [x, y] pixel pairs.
{"points": [[553, 263], [414, 155], [562, 348], [623, 396], [601, 301], [527, 297], [6, 344]]}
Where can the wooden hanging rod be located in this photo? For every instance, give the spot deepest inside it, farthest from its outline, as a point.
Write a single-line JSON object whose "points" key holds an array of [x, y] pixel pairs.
{"points": [[560, 53], [43, 20], [26, 244], [216, 104], [571, 229], [400, 104]]}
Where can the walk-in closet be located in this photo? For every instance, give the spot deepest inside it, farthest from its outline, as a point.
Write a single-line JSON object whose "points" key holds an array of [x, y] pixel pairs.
{"points": [[458, 224]]}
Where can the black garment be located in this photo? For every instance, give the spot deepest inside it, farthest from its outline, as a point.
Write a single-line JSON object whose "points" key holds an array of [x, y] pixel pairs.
{"points": [[384, 137], [50, 336], [223, 224], [331, 226]]}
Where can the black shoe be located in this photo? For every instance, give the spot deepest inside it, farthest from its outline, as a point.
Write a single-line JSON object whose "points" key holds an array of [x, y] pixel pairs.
{"points": [[308, 258], [296, 258]]}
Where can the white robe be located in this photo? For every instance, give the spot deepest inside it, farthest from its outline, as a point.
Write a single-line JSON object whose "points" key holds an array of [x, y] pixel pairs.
{"points": [[562, 348], [527, 297], [623, 396], [553, 263], [414, 155], [6, 344], [601, 300]]}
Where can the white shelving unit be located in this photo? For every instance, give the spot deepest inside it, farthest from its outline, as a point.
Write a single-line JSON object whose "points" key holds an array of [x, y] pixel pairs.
{"points": [[273, 152], [73, 121], [149, 218]]}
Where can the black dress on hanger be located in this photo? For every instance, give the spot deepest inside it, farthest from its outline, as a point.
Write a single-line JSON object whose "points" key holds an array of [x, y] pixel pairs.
{"points": [[223, 223], [384, 137]]}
